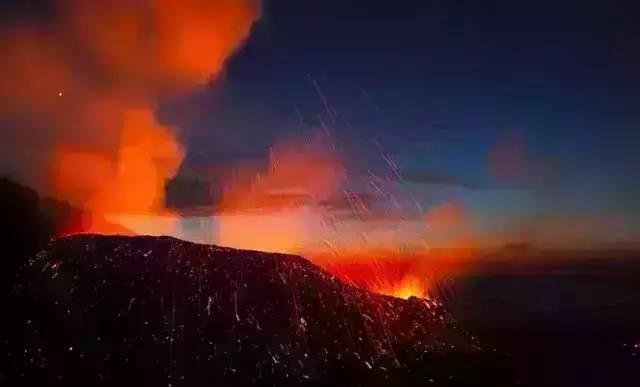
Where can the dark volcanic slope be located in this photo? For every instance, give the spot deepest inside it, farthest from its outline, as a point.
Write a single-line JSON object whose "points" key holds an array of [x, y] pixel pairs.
{"points": [[95, 310]]}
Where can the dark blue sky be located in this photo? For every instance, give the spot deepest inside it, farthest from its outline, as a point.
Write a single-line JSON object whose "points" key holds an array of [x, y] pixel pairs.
{"points": [[525, 112], [439, 84]]}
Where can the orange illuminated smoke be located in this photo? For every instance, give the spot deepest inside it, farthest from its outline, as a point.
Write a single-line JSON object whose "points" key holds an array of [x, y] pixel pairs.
{"points": [[86, 84], [132, 180], [279, 209]]}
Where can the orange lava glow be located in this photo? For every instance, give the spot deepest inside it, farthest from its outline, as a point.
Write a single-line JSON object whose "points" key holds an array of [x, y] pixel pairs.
{"points": [[93, 223], [409, 286], [394, 273], [398, 277]]}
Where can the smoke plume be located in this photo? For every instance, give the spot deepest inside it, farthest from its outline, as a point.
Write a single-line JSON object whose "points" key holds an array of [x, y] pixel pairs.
{"points": [[78, 92]]}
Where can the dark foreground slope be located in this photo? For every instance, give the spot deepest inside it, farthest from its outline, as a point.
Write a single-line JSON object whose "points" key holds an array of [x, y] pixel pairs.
{"points": [[27, 221], [94, 310]]}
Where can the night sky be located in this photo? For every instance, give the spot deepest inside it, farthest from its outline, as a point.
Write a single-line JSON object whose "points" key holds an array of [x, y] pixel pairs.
{"points": [[524, 114], [442, 86]]}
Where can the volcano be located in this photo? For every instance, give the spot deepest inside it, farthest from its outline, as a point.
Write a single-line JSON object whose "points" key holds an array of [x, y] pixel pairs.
{"points": [[93, 310]]}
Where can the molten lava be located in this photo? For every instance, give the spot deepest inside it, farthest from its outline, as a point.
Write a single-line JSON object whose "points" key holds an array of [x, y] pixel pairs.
{"points": [[409, 286]]}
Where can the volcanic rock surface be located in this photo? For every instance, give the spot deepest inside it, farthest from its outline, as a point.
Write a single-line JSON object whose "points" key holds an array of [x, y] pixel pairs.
{"points": [[93, 310]]}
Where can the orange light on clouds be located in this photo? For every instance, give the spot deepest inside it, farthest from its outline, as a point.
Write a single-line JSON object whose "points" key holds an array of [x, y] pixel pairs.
{"points": [[132, 180], [282, 231], [87, 84], [279, 209]]}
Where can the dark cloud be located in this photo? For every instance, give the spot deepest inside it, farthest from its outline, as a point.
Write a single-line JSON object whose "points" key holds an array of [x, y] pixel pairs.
{"points": [[430, 177], [419, 176], [346, 200]]}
